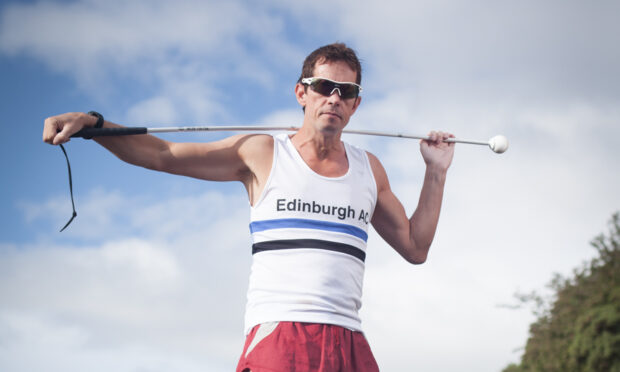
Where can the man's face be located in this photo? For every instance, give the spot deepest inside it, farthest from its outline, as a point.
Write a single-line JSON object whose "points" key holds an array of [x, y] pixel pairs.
{"points": [[328, 113]]}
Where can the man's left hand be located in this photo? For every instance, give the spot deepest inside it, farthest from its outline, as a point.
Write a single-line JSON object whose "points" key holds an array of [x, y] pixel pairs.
{"points": [[436, 152]]}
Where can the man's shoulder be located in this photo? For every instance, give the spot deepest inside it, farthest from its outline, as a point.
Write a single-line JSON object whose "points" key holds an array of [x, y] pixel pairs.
{"points": [[377, 170], [255, 144], [372, 158]]}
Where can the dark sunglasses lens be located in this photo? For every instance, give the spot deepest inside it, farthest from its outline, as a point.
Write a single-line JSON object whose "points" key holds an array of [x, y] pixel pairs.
{"points": [[348, 91], [326, 87]]}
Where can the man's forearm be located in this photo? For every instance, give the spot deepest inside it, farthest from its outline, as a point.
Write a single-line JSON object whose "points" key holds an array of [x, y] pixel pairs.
{"points": [[423, 222], [141, 150]]}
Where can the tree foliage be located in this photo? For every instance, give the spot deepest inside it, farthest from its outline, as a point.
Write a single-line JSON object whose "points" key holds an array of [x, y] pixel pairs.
{"points": [[579, 331]]}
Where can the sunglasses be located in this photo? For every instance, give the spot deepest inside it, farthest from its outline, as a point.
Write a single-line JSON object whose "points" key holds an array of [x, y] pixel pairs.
{"points": [[327, 87]]}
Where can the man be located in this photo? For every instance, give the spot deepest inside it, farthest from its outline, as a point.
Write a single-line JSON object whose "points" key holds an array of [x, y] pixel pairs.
{"points": [[312, 198]]}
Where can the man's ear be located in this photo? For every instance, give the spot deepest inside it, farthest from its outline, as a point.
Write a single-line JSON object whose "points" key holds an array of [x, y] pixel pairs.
{"points": [[300, 94]]}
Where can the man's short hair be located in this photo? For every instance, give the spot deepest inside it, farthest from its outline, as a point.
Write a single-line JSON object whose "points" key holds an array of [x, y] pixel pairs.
{"points": [[336, 52]]}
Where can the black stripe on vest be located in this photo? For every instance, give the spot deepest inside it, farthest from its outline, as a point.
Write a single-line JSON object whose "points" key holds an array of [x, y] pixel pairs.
{"points": [[309, 243]]}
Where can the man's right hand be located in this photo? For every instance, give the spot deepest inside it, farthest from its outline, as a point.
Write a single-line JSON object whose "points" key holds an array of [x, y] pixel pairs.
{"points": [[58, 129]]}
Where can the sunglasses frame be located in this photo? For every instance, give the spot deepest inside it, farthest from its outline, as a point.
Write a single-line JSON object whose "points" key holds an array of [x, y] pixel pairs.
{"points": [[309, 81]]}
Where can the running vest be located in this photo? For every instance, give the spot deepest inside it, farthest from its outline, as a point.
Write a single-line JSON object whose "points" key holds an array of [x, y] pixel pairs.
{"points": [[309, 236]]}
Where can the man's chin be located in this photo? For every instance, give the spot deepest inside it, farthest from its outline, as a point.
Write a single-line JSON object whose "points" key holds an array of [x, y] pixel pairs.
{"points": [[331, 126]]}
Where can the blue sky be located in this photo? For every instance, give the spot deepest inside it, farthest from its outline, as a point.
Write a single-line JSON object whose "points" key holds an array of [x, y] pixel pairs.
{"points": [[152, 274]]}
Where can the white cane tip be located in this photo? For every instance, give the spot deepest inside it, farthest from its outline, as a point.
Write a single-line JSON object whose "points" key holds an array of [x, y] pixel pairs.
{"points": [[498, 144]]}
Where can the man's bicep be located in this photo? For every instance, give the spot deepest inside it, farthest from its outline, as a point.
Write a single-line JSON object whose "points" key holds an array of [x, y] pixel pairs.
{"points": [[389, 218], [214, 161]]}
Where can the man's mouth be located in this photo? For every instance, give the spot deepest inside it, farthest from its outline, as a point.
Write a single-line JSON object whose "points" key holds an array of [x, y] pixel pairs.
{"points": [[332, 113]]}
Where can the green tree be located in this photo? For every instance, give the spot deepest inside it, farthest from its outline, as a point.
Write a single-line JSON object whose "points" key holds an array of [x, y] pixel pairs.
{"points": [[579, 331]]}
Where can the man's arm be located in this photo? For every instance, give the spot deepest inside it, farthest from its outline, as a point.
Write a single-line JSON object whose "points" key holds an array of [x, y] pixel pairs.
{"points": [[238, 158], [412, 237]]}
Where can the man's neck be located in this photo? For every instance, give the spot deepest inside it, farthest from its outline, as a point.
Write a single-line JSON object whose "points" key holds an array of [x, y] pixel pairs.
{"points": [[322, 151], [322, 145]]}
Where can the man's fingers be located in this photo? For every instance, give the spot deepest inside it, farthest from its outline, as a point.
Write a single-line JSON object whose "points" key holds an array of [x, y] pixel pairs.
{"points": [[62, 137], [437, 138], [51, 126], [55, 132], [58, 129]]}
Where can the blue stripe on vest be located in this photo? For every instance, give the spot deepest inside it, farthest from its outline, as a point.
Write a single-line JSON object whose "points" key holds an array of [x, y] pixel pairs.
{"points": [[301, 223]]}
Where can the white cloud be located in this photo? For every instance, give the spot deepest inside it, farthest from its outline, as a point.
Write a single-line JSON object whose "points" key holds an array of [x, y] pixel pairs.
{"points": [[83, 32], [152, 110], [140, 302], [288, 117], [173, 51], [64, 347], [530, 48], [435, 308]]}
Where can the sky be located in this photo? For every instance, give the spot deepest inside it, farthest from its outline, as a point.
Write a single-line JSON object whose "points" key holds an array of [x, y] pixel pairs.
{"points": [[152, 274]]}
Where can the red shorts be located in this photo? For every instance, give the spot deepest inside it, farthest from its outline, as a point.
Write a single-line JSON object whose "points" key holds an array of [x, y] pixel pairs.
{"points": [[292, 346]]}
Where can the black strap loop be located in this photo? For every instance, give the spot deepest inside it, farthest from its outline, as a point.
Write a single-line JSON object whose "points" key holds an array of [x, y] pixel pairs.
{"points": [[70, 188]]}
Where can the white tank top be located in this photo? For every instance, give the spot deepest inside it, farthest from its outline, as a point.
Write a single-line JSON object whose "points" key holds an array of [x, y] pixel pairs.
{"points": [[309, 234]]}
